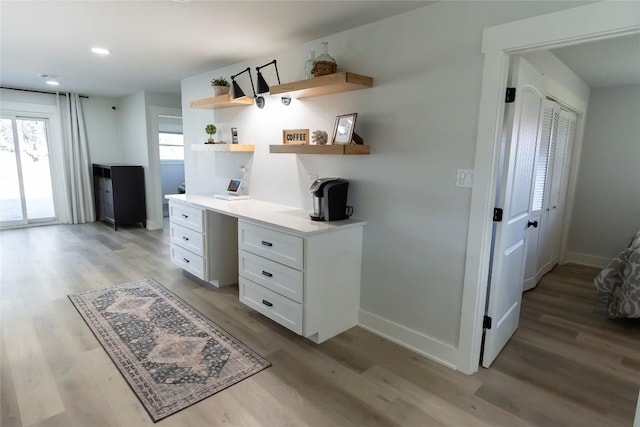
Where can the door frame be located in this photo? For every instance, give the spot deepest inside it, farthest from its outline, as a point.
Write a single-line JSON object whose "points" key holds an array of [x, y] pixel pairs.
{"points": [[155, 220], [568, 27]]}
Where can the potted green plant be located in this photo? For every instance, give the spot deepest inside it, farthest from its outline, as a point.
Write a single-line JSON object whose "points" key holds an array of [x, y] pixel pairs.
{"points": [[220, 86], [211, 130]]}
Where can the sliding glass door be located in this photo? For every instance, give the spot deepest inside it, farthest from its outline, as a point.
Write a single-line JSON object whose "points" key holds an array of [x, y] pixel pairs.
{"points": [[26, 192]]}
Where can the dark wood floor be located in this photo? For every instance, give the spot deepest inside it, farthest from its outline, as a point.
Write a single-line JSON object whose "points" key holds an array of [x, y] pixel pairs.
{"points": [[567, 365]]}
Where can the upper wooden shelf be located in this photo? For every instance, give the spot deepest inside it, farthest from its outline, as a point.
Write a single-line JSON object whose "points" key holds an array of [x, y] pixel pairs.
{"points": [[320, 149], [323, 85], [233, 148], [222, 101]]}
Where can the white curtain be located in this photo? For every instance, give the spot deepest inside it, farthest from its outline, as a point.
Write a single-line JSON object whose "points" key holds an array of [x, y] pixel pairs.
{"points": [[78, 183]]}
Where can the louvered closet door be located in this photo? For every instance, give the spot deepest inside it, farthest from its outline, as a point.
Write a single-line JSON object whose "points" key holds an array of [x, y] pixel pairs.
{"points": [[560, 181], [544, 182], [540, 194]]}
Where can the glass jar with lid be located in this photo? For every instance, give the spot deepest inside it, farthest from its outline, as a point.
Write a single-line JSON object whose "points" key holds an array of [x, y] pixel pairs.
{"points": [[324, 64]]}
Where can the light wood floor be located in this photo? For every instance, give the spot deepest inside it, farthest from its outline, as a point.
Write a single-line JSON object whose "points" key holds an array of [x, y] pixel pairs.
{"points": [[567, 365]]}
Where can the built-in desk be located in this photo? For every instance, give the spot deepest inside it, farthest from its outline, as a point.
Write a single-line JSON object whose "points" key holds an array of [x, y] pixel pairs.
{"points": [[303, 274]]}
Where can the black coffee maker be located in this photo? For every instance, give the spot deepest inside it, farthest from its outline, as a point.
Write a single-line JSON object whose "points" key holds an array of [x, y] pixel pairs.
{"points": [[329, 199]]}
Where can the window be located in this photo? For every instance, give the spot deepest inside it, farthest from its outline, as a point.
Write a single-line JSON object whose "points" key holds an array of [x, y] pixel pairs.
{"points": [[171, 146], [26, 193]]}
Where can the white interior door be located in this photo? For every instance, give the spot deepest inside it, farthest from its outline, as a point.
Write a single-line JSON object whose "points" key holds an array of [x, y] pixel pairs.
{"points": [[523, 124]]}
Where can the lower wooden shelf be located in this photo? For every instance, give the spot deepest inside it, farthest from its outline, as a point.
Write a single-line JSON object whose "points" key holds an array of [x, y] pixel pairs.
{"points": [[320, 149]]}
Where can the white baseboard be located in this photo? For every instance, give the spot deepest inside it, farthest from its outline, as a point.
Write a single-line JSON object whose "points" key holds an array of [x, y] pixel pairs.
{"points": [[431, 348], [586, 259], [154, 225]]}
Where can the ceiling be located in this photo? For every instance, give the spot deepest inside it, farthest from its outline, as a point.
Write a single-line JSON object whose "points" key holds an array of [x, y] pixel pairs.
{"points": [[155, 44], [605, 63]]}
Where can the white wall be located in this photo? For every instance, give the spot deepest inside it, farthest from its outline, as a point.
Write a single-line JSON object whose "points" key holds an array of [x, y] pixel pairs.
{"points": [[102, 129], [420, 119], [8, 95], [607, 203], [100, 121], [133, 129], [138, 132]]}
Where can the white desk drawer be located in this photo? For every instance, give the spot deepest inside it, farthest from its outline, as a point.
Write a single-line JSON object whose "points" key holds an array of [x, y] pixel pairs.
{"points": [[187, 238], [188, 261], [276, 307], [274, 245], [186, 216], [279, 278]]}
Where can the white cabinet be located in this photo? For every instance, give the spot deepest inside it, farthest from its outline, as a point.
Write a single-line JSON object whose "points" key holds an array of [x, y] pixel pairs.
{"points": [[307, 283], [302, 274], [204, 243]]}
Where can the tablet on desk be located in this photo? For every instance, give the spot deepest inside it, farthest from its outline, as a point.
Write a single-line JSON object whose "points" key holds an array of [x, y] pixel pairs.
{"points": [[233, 191]]}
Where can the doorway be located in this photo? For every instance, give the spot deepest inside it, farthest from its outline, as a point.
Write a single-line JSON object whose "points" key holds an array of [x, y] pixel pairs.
{"points": [[26, 194], [171, 150], [588, 23]]}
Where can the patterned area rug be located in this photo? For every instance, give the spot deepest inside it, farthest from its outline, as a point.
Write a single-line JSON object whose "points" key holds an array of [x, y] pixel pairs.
{"points": [[169, 353]]}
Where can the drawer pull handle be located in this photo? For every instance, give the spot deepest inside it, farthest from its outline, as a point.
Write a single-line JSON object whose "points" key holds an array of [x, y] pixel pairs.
{"points": [[267, 303], [185, 238], [185, 216], [267, 244], [266, 273], [185, 260]]}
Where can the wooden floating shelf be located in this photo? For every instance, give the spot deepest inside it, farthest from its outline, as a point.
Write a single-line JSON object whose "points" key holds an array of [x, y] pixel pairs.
{"points": [[320, 149], [222, 101], [323, 85], [231, 148]]}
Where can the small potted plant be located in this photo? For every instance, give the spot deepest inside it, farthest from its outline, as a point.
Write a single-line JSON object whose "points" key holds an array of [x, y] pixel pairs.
{"points": [[220, 86], [211, 130]]}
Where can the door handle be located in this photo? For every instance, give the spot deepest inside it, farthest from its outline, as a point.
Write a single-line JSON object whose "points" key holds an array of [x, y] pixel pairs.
{"points": [[532, 223]]}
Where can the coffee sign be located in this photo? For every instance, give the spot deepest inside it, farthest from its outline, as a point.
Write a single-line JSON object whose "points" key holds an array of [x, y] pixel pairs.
{"points": [[295, 136]]}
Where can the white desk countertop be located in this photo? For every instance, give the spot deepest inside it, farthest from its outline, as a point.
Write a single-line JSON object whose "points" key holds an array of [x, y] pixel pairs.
{"points": [[285, 217]]}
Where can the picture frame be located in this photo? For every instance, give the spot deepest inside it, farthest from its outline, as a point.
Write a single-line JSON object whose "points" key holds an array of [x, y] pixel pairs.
{"points": [[344, 129]]}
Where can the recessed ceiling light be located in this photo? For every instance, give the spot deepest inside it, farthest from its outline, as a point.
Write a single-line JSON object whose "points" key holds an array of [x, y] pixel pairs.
{"points": [[53, 83], [100, 51]]}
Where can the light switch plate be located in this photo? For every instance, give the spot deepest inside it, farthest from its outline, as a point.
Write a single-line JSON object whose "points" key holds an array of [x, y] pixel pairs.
{"points": [[464, 178]]}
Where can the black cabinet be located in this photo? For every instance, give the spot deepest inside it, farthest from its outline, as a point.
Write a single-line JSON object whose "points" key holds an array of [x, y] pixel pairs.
{"points": [[119, 194]]}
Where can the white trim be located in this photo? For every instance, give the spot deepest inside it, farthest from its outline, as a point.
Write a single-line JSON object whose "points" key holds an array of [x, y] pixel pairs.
{"points": [[154, 224], [586, 259], [567, 27], [570, 26], [418, 342]]}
